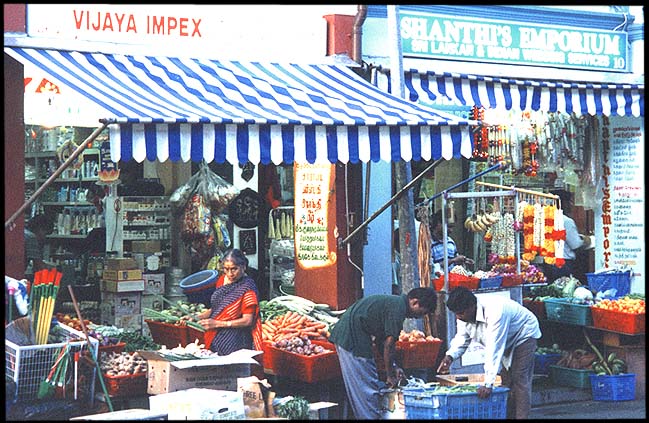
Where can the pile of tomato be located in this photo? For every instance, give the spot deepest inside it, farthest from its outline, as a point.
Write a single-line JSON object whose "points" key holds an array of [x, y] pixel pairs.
{"points": [[625, 305]]}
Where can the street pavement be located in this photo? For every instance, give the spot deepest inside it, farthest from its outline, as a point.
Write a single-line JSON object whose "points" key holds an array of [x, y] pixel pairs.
{"points": [[595, 410]]}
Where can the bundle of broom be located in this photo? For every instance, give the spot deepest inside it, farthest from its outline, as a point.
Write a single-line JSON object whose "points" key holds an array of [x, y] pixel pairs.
{"points": [[42, 299]]}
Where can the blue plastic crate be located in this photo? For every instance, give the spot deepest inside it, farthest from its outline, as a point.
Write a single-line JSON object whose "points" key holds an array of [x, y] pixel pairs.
{"points": [[492, 282], [603, 281], [423, 403], [542, 362], [613, 387]]}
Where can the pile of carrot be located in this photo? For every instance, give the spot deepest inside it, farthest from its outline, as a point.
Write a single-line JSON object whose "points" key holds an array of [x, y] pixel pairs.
{"points": [[292, 324]]}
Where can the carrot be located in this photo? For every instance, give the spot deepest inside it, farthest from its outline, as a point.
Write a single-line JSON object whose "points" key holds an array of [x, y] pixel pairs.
{"points": [[270, 324], [288, 330], [310, 334]]}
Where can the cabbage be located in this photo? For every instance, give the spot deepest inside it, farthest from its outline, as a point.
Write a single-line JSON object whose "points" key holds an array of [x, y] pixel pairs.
{"points": [[570, 286], [582, 294]]}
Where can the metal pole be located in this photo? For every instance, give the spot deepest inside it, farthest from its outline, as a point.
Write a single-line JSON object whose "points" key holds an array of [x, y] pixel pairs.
{"points": [[56, 174], [391, 201]]}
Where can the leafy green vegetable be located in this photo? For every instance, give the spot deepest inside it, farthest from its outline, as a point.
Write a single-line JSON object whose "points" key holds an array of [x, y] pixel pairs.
{"points": [[296, 408]]}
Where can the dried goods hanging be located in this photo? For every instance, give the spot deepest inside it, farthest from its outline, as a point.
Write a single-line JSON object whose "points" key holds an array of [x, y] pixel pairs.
{"points": [[423, 259]]}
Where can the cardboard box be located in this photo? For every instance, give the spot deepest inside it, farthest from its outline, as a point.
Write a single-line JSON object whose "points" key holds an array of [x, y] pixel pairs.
{"points": [[121, 415], [121, 303], [220, 372], [199, 404], [145, 246], [122, 286], [154, 283], [152, 301], [123, 263], [320, 410], [122, 275]]}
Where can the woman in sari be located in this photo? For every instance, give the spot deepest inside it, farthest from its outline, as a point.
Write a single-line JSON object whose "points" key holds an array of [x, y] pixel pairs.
{"points": [[233, 323]]}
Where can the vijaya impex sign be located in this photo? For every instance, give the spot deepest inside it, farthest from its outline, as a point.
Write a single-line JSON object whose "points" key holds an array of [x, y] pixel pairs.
{"points": [[449, 37]]}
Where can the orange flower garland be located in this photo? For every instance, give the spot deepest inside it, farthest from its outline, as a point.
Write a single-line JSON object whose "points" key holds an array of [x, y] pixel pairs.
{"points": [[547, 248], [528, 232]]}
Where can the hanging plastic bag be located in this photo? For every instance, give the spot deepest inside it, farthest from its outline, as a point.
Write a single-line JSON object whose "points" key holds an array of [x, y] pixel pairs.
{"points": [[218, 193], [197, 219]]}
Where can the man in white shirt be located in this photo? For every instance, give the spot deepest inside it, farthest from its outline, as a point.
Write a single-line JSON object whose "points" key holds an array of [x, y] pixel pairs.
{"points": [[509, 333]]}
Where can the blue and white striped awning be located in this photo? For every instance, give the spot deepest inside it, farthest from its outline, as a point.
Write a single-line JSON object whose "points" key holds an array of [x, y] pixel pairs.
{"points": [[167, 108], [547, 96]]}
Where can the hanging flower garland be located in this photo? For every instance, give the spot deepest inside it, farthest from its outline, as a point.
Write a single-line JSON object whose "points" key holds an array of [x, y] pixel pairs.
{"points": [[528, 232], [547, 248], [539, 233], [559, 238]]}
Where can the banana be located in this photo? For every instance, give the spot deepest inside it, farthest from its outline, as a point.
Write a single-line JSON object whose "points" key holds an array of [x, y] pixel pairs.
{"points": [[466, 222], [480, 226], [493, 217], [485, 221], [472, 227]]}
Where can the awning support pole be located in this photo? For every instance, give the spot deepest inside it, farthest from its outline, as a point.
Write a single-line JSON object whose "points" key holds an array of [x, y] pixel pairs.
{"points": [[459, 184], [394, 198], [55, 175]]}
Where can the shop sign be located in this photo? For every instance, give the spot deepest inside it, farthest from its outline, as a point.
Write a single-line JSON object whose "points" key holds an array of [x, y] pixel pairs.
{"points": [[485, 40], [619, 220], [313, 187]]}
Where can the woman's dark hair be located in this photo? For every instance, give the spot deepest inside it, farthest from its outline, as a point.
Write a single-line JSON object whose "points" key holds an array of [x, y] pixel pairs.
{"points": [[460, 299], [236, 256], [427, 297]]}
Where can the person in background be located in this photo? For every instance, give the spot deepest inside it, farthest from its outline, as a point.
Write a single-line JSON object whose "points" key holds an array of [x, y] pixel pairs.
{"points": [[375, 319], [36, 230], [509, 333], [232, 322], [574, 241], [437, 246]]}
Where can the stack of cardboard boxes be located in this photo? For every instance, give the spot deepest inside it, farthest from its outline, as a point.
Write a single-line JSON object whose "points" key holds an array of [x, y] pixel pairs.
{"points": [[125, 290], [121, 288]]}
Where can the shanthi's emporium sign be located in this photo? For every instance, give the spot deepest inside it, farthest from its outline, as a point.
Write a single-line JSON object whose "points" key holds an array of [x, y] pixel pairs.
{"points": [[465, 38], [313, 187]]}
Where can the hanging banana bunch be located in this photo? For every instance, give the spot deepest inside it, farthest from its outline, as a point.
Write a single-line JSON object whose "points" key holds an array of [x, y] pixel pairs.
{"points": [[482, 221]]}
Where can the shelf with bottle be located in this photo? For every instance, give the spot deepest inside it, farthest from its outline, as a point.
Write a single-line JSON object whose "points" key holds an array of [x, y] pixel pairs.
{"points": [[76, 222]]}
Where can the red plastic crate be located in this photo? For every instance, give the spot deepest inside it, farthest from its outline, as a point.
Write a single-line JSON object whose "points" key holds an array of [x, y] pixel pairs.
{"points": [[618, 321], [536, 307], [116, 348], [309, 369], [193, 334], [455, 280], [418, 355], [268, 357], [509, 281], [126, 385], [168, 334]]}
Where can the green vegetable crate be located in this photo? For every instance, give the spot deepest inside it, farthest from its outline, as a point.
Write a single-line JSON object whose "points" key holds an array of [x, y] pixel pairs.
{"points": [[566, 312], [564, 376], [424, 403]]}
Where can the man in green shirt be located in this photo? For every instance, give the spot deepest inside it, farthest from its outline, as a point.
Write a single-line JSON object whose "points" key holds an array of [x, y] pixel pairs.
{"points": [[375, 319]]}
